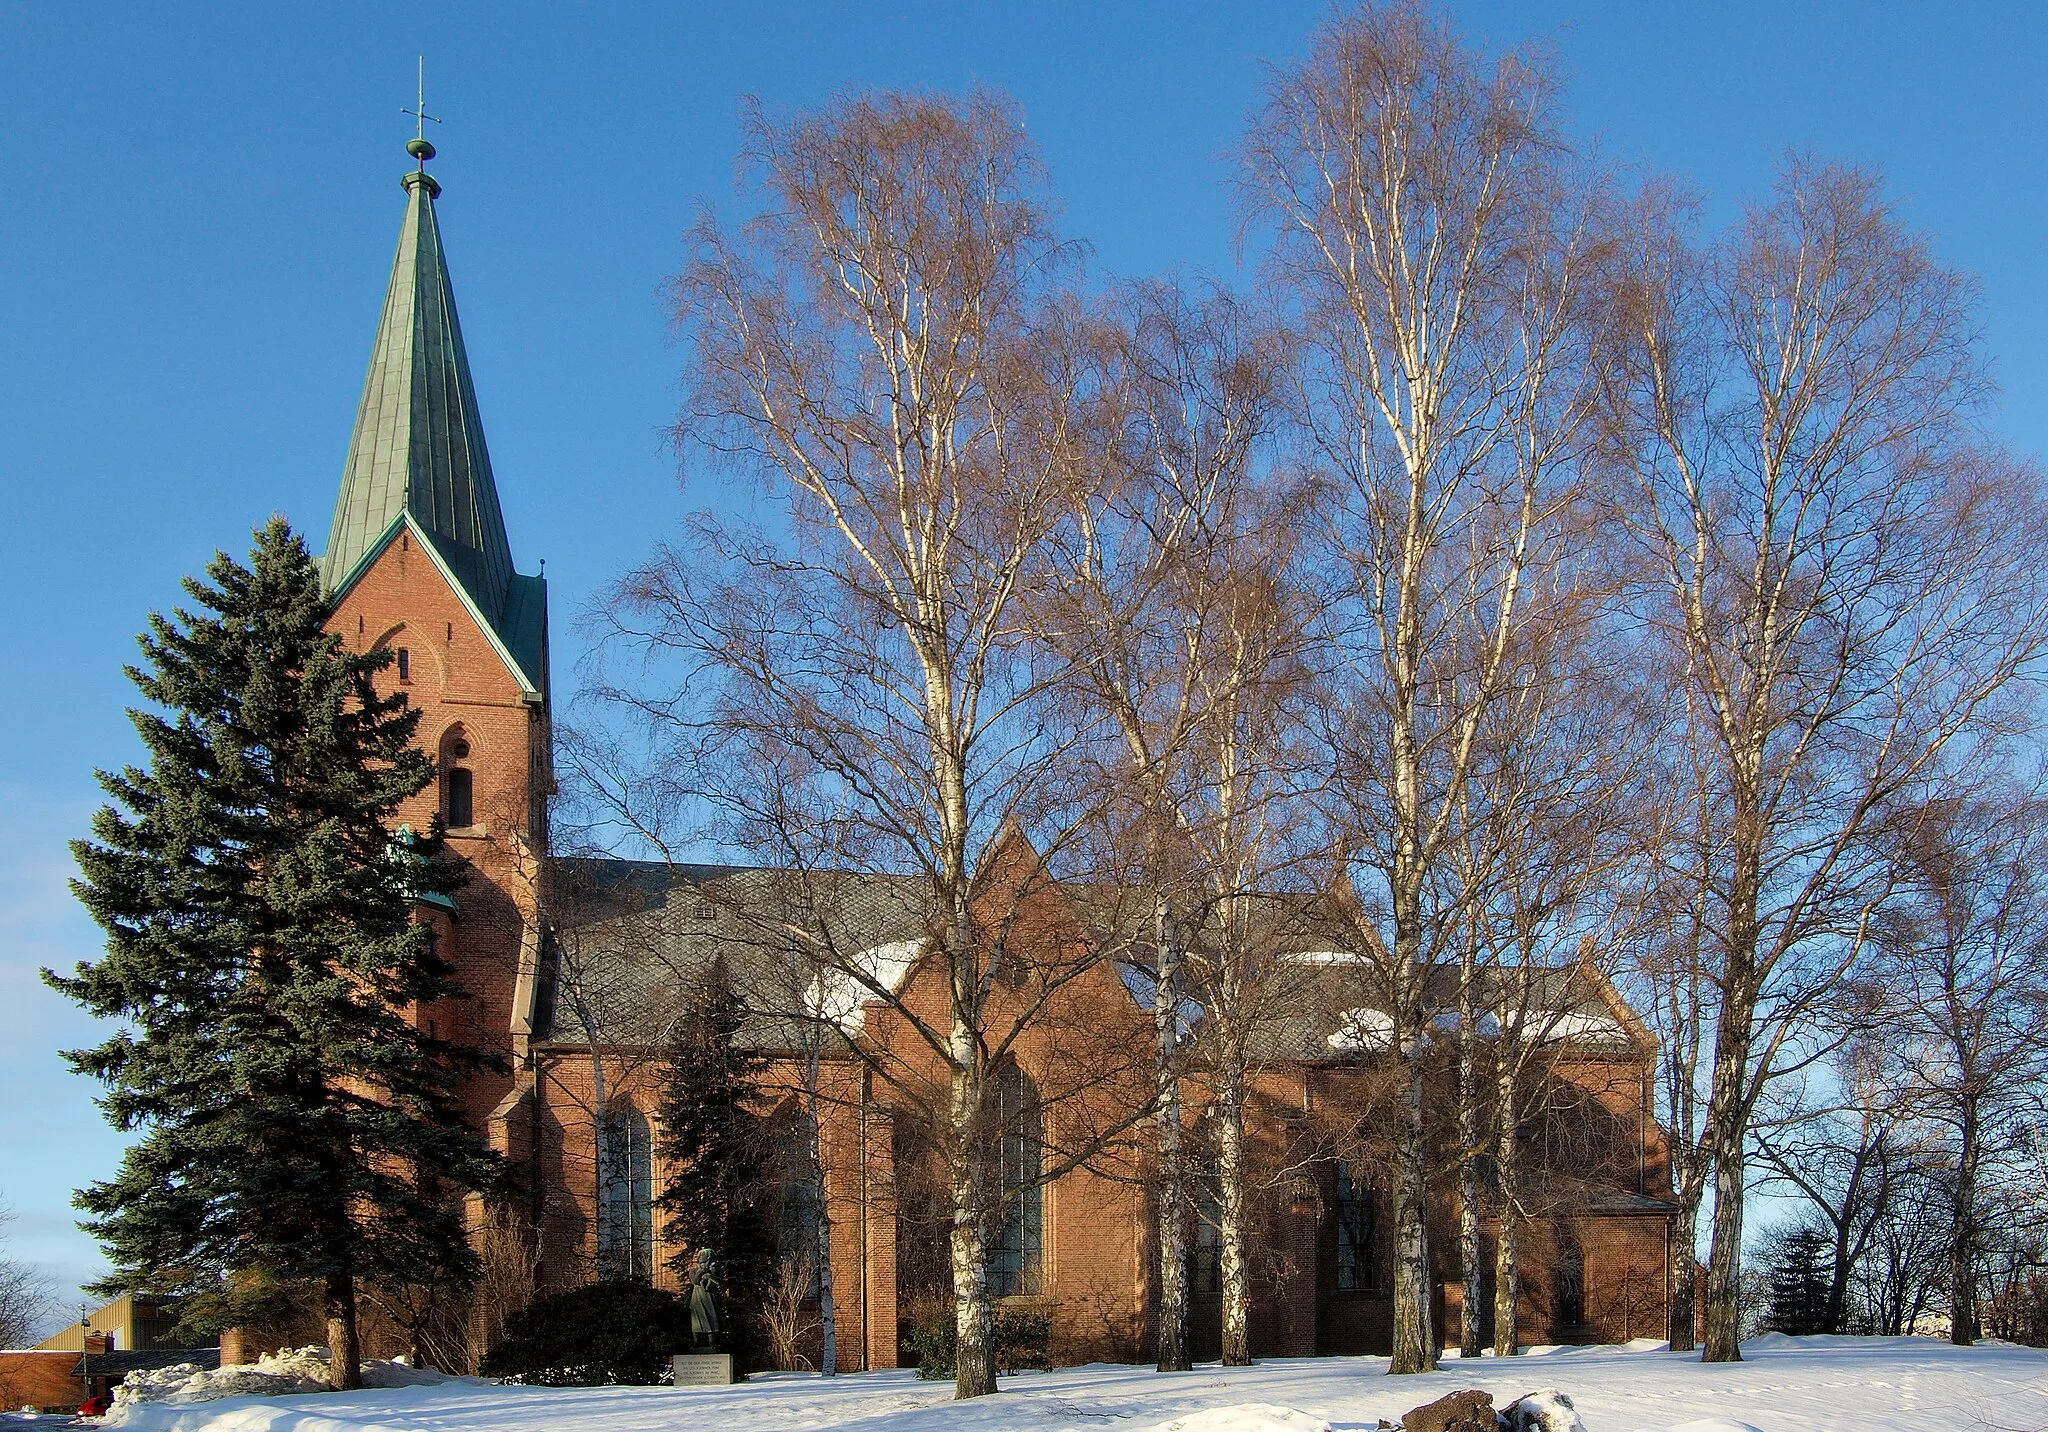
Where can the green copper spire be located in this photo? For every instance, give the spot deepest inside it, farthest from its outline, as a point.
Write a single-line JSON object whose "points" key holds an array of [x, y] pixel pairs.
{"points": [[418, 448]]}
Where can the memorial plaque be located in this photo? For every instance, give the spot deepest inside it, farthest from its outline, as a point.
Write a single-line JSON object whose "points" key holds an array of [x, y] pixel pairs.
{"points": [[701, 1369]]}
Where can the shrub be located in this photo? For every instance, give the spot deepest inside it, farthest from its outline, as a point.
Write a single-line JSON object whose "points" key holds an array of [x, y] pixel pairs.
{"points": [[610, 1332], [1023, 1340]]}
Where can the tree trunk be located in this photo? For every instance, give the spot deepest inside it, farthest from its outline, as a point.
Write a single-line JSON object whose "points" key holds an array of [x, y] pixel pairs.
{"points": [[1471, 1179], [1962, 1270], [344, 1352], [1727, 1126], [1237, 1347], [973, 1314], [1507, 1286], [1414, 1338], [1173, 1205], [1682, 1318], [1507, 1270], [1728, 1107]]}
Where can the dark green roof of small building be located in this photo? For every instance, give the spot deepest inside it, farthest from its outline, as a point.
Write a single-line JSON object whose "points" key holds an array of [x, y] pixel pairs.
{"points": [[417, 457]]}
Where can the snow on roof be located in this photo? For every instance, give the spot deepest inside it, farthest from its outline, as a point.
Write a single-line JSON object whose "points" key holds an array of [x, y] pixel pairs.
{"points": [[1325, 957], [1572, 1024], [1363, 1029], [840, 994]]}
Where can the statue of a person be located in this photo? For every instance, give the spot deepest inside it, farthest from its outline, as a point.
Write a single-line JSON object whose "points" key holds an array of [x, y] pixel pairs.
{"points": [[705, 1324]]}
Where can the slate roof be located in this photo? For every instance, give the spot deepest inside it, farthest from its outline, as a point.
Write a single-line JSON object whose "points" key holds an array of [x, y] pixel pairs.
{"points": [[633, 937], [417, 456]]}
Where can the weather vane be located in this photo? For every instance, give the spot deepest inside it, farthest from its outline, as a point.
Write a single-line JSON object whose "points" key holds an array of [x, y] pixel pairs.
{"points": [[418, 147]]}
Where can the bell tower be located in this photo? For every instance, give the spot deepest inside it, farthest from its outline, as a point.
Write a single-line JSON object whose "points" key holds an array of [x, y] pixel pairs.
{"points": [[417, 561]]}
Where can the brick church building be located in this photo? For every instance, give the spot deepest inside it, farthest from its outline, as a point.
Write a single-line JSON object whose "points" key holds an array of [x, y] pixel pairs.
{"points": [[573, 970]]}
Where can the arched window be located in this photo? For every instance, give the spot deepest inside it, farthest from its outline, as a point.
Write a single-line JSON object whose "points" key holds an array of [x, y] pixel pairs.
{"points": [[1018, 1251], [458, 784], [625, 1180]]}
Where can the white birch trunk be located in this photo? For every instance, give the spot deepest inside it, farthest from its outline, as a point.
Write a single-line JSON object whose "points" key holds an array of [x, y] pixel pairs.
{"points": [[1173, 1205], [1414, 1336], [1230, 1171], [973, 1313], [1507, 1271], [1471, 1182]]}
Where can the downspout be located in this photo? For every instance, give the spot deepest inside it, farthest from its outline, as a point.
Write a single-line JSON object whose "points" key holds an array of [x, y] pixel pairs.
{"points": [[866, 1084]]}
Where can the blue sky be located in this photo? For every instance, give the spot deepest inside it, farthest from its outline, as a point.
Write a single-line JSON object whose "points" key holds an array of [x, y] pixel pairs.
{"points": [[201, 202]]}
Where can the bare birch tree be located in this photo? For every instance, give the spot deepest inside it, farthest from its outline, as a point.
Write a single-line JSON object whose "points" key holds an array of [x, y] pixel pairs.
{"points": [[1844, 574], [1966, 972], [874, 347], [1538, 871], [1433, 248], [1171, 605]]}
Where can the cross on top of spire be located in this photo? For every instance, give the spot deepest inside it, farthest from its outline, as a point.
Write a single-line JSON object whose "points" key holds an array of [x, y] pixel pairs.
{"points": [[417, 146]]}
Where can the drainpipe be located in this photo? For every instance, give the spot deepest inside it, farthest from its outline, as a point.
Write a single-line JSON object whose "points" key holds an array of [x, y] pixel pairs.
{"points": [[866, 1084]]}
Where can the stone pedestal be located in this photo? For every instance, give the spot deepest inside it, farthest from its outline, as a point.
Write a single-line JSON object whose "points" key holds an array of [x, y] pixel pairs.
{"points": [[701, 1369]]}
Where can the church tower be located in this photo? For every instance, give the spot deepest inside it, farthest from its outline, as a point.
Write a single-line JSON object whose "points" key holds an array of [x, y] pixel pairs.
{"points": [[417, 561]]}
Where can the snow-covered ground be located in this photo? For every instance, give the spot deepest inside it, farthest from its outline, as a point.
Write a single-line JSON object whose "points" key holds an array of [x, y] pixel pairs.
{"points": [[1786, 1385]]}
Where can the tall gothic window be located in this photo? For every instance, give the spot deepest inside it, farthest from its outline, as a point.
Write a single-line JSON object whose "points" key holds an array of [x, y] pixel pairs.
{"points": [[1018, 1251], [1568, 1279], [1205, 1249], [625, 1241], [799, 1210], [1355, 1271]]}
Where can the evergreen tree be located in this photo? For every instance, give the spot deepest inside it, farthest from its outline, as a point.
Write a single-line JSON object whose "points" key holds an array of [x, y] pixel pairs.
{"points": [[1799, 1285], [262, 953], [718, 1154]]}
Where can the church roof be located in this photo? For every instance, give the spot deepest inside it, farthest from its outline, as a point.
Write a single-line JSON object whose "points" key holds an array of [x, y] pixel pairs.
{"points": [[417, 456]]}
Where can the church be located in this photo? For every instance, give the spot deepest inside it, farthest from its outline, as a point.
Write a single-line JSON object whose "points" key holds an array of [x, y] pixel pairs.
{"points": [[571, 969]]}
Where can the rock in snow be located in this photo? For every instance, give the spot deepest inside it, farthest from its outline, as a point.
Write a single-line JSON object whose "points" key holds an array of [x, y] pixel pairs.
{"points": [[1470, 1411], [1546, 1411]]}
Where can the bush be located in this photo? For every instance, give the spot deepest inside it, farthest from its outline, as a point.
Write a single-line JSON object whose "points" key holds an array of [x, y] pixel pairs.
{"points": [[1023, 1340], [603, 1333]]}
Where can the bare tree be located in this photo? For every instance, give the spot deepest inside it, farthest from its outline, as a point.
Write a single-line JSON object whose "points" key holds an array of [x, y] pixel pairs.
{"points": [[878, 346], [1545, 846], [1848, 1143], [1673, 980], [1843, 572], [26, 1298], [1434, 250], [1967, 974], [1171, 605]]}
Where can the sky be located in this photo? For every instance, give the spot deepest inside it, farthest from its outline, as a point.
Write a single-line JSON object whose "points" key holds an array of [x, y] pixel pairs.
{"points": [[198, 206]]}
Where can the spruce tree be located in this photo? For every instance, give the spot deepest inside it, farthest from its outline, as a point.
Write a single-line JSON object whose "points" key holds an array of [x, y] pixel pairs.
{"points": [[1799, 1285], [261, 950], [718, 1153]]}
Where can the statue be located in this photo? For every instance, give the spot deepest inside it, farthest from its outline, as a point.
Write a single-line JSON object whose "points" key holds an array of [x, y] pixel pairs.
{"points": [[705, 1323]]}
